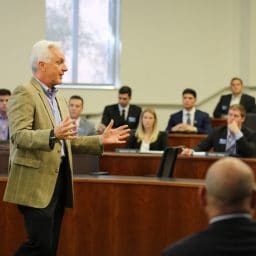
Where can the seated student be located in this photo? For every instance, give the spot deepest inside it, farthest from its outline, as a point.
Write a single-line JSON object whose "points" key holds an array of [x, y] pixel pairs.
{"points": [[190, 119], [236, 97], [122, 113], [228, 199], [76, 106], [233, 138], [4, 124], [147, 136]]}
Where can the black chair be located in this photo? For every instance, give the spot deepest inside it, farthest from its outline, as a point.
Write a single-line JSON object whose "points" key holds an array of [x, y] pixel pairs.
{"points": [[250, 121], [168, 160]]}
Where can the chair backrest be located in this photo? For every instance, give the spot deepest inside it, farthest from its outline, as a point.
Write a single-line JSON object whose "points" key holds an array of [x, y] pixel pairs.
{"points": [[168, 160], [250, 121]]}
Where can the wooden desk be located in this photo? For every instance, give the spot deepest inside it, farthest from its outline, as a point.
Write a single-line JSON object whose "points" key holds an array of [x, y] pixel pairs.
{"points": [[83, 164], [4, 158], [174, 139], [113, 147], [135, 164], [116, 216], [148, 164], [218, 121], [187, 140]]}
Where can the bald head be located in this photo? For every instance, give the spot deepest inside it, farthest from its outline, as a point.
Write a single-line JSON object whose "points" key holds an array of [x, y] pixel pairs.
{"points": [[229, 185]]}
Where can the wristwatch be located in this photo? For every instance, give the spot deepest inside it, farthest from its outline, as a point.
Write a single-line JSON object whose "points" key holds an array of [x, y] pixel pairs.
{"points": [[52, 138]]}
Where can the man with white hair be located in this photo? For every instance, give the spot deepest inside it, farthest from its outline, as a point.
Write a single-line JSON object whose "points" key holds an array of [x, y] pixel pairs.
{"points": [[42, 134], [228, 199]]}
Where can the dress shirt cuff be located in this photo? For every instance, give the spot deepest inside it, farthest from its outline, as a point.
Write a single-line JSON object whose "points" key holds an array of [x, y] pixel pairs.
{"points": [[238, 135]]}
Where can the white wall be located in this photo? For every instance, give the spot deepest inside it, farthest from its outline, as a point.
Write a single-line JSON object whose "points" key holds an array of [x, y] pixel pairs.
{"points": [[167, 45], [22, 23]]}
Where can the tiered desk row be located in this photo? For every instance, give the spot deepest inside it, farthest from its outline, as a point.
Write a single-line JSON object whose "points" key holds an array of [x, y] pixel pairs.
{"points": [[124, 213]]}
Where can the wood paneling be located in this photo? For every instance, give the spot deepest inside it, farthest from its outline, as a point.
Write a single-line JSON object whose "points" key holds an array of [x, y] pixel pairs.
{"points": [[116, 216], [186, 140], [194, 167]]}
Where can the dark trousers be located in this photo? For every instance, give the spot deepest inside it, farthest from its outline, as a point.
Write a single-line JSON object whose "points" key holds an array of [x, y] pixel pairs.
{"points": [[43, 224]]}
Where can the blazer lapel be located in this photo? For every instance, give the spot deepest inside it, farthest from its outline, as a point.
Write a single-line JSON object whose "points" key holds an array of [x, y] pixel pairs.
{"points": [[62, 106], [179, 117], [229, 100], [44, 99], [196, 118], [243, 100], [117, 112]]}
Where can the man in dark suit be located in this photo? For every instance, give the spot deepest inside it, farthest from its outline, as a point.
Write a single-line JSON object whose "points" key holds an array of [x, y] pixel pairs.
{"points": [[42, 137], [190, 119], [76, 107], [237, 97], [234, 139], [4, 125], [123, 112], [228, 200]]}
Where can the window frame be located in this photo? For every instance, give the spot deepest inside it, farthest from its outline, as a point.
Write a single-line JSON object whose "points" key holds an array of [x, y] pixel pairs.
{"points": [[116, 51]]}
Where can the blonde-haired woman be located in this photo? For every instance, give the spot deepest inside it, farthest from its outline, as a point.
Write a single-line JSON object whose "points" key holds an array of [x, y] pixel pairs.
{"points": [[147, 136]]}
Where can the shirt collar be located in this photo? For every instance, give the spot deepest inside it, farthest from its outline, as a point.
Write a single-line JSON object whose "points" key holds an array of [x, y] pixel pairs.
{"points": [[50, 92], [191, 112], [121, 108], [78, 121], [236, 96], [230, 216], [3, 117]]}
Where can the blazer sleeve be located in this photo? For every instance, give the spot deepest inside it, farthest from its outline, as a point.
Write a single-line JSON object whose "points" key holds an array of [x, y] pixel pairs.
{"points": [[206, 144], [161, 142], [246, 146], [172, 122], [25, 131], [249, 104], [205, 127]]}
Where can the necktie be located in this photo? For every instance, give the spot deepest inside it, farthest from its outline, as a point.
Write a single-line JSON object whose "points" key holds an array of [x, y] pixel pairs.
{"points": [[231, 144], [51, 93], [123, 115], [188, 118]]}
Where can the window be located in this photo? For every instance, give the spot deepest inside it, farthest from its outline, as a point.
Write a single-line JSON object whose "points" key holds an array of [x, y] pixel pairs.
{"points": [[89, 32]]}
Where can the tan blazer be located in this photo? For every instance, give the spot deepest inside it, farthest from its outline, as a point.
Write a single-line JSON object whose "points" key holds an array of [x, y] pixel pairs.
{"points": [[33, 165]]}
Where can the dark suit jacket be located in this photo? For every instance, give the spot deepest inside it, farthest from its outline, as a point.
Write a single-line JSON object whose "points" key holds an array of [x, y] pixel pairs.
{"points": [[112, 112], [202, 121], [159, 144], [232, 237], [217, 139], [223, 105]]}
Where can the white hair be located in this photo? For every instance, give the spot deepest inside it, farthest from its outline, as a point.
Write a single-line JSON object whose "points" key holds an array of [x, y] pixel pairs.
{"points": [[40, 52]]}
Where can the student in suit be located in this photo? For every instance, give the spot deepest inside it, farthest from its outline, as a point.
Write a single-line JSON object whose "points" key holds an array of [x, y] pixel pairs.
{"points": [[123, 112], [147, 136], [190, 119], [234, 139], [76, 107], [41, 137], [236, 97], [4, 124], [228, 199]]}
